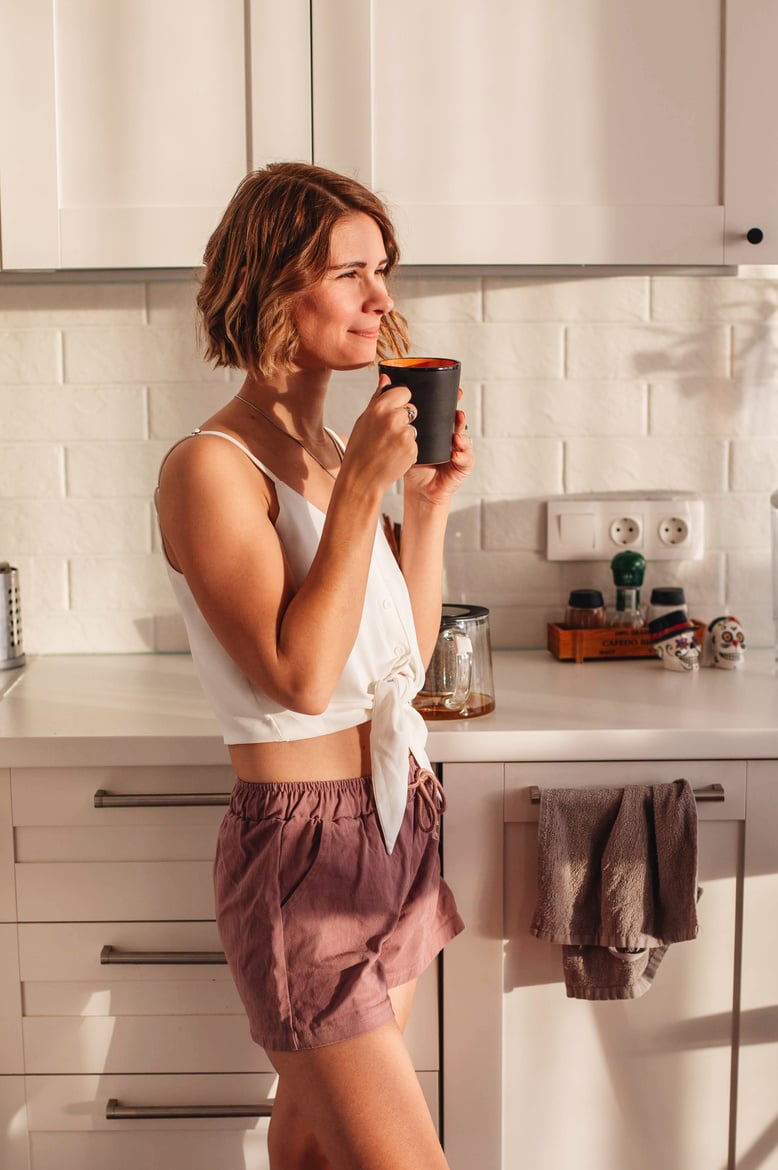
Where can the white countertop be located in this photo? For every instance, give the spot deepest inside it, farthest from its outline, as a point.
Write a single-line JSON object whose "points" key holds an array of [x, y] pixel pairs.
{"points": [[149, 709]]}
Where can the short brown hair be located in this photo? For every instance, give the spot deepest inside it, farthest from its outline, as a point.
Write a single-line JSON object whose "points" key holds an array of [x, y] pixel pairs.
{"points": [[273, 243]]}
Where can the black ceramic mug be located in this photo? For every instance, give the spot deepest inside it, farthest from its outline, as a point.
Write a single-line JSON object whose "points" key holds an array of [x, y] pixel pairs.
{"points": [[434, 387]]}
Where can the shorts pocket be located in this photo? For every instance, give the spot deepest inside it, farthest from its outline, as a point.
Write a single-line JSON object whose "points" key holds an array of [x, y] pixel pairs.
{"points": [[300, 849]]}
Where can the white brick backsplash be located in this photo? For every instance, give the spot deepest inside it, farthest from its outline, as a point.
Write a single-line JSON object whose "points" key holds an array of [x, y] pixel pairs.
{"points": [[437, 298], [43, 582], [737, 521], [93, 632], [30, 470], [581, 384], [502, 578], [635, 465], [176, 409], [74, 527], [29, 356], [564, 408], [144, 353], [755, 353], [514, 523], [105, 583], [647, 351], [172, 303], [714, 298], [713, 406], [170, 635], [754, 466], [749, 578], [58, 305], [623, 298], [114, 469], [63, 414], [496, 351], [523, 467]]}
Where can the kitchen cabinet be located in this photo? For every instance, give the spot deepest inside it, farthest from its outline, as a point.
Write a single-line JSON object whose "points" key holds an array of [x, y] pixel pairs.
{"points": [[129, 1008], [543, 132], [533, 1078], [126, 125]]}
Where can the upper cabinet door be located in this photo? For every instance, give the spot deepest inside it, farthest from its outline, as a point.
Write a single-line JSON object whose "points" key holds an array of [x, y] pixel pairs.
{"points": [[126, 125], [540, 131]]}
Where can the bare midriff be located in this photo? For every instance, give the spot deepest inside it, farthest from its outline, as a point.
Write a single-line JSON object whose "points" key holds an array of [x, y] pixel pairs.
{"points": [[340, 755]]}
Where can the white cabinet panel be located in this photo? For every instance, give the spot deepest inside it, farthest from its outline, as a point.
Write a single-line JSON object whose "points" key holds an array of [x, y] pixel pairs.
{"points": [[142, 125], [73, 950], [14, 1143], [543, 132], [104, 891], [7, 889], [70, 1132], [11, 1059], [66, 796], [757, 1144], [639, 1083]]}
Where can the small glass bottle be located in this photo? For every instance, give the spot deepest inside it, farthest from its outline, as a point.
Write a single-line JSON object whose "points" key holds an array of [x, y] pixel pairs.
{"points": [[585, 610], [628, 570], [666, 599]]}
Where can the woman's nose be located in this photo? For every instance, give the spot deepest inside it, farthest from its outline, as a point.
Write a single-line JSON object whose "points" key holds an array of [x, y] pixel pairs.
{"points": [[380, 300]]}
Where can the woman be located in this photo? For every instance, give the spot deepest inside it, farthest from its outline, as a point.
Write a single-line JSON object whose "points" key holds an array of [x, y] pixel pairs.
{"points": [[310, 642]]}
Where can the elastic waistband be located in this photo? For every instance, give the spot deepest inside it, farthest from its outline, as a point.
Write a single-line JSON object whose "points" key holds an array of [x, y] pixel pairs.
{"points": [[324, 799]]}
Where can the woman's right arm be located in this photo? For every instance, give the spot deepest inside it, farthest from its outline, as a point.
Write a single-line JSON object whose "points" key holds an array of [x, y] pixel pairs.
{"points": [[215, 518]]}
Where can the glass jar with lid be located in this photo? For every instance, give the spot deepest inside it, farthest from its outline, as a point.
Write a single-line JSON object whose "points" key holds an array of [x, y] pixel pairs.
{"points": [[666, 599], [585, 610]]}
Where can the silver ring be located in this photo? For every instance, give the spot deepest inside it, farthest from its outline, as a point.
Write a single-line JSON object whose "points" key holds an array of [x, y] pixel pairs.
{"points": [[411, 412]]}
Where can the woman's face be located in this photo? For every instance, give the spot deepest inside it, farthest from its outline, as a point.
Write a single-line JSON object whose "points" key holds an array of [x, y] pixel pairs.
{"points": [[337, 321]]}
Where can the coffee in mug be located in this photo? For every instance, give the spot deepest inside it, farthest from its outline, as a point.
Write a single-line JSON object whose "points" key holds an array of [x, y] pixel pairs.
{"points": [[434, 387]]}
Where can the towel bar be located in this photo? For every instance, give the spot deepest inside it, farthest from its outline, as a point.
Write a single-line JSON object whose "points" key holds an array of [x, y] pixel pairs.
{"points": [[709, 792]]}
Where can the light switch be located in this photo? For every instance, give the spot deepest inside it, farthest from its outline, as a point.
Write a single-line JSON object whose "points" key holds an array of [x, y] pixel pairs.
{"points": [[577, 532]]}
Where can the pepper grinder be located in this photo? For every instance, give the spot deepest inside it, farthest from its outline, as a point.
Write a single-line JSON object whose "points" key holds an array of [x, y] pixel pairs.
{"points": [[628, 570]]}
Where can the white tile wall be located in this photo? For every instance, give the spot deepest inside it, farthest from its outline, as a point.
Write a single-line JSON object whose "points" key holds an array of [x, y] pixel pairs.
{"points": [[590, 383]]}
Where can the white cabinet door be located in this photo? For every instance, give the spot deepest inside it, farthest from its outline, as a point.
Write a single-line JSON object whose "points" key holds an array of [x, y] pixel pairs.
{"points": [[544, 132], [757, 1131], [563, 1082], [125, 125]]}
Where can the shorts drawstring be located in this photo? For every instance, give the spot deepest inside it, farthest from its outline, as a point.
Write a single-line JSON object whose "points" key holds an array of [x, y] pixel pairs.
{"points": [[429, 800]]}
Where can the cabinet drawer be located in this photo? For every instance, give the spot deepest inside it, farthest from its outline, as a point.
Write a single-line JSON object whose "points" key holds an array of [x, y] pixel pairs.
{"points": [[520, 779], [11, 1060], [75, 952], [66, 796], [69, 1130], [107, 891], [184, 1027]]}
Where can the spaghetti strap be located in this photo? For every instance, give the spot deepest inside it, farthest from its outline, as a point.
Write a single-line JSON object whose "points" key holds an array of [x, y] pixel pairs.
{"points": [[241, 447]]}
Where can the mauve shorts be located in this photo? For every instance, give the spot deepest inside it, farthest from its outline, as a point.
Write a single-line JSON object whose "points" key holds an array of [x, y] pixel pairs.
{"points": [[316, 918]]}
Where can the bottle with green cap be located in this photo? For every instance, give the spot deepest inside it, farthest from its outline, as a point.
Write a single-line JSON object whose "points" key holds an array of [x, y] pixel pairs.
{"points": [[628, 568]]}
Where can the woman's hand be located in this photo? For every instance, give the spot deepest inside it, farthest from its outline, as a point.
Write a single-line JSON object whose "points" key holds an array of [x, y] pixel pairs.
{"points": [[437, 483]]}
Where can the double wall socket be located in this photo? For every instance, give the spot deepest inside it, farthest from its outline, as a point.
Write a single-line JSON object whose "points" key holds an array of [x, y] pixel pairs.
{"points": [[662, 528]]}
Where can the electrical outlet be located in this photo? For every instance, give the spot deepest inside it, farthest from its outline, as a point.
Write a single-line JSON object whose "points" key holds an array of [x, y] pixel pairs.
{"points": [[661, 527]]}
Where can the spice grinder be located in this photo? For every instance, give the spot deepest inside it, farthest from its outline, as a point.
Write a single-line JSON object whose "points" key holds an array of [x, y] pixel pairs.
{"points": [[11, 652]]}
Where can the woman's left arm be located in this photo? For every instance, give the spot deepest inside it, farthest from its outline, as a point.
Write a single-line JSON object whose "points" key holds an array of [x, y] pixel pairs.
{"points": [[427, 502]]}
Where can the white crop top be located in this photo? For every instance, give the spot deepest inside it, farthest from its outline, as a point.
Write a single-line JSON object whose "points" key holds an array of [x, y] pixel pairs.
{"points": [[383, 673]]}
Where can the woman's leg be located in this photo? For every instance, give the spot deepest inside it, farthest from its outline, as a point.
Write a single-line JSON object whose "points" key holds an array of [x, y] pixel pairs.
{"points": [[362, 1100]]}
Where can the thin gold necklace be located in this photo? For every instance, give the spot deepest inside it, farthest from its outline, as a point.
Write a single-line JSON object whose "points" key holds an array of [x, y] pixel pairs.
{"points": [[253, 406]]}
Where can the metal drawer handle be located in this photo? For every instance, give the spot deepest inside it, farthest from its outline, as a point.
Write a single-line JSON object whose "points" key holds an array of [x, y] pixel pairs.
{"points": [[114, 1111], [109, 956], [710, 792], [105, 799]]}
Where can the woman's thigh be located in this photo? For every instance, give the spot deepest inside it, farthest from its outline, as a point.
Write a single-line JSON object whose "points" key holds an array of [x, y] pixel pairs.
{"points": [[362, 1100]]}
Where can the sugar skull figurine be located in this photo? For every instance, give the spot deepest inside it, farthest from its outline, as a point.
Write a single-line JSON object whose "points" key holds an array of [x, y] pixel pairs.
{"points": [[724, 644], [673, 640]]}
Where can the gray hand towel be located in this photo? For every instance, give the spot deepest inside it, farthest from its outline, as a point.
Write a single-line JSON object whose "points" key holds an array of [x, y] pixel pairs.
{"points": [[617, 882]]}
